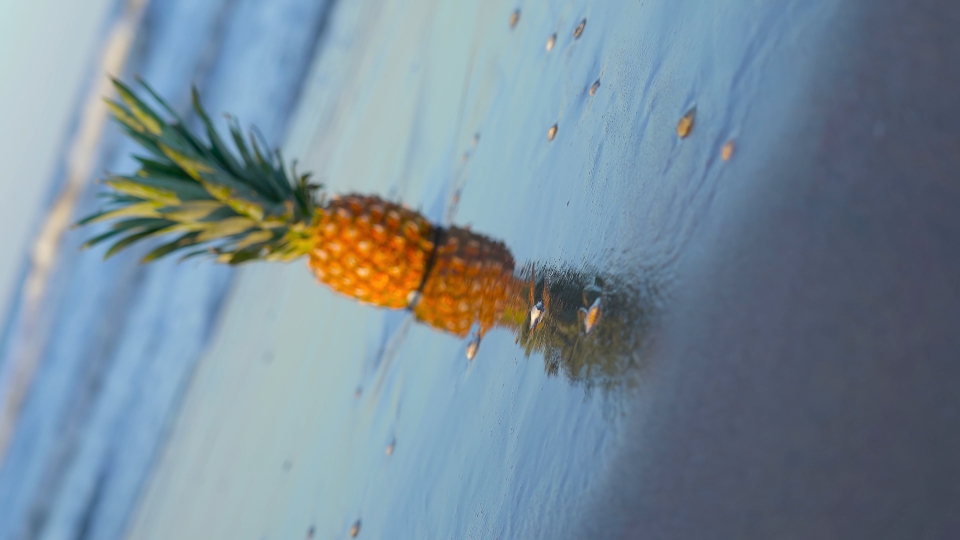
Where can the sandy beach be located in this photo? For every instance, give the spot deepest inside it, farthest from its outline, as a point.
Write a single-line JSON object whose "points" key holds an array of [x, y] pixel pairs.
{"points": [[772, 185], [798, 385]]}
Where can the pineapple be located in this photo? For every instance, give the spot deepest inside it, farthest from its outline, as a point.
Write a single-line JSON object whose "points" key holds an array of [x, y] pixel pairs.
{"points": [[235, 209], [250, 207], [240, 208]]}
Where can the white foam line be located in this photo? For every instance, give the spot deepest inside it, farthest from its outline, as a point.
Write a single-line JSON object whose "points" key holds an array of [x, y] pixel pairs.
{"points": [[17, 374]]}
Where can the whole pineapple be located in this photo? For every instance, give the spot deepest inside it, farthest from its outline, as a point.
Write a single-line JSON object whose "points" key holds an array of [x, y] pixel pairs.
{"points": [[246, 207]]}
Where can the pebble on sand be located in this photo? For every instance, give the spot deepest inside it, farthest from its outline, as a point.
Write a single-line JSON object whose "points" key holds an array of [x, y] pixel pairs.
{"points": [[578, 31], [473, 347], [685, 126], [727, 151]]}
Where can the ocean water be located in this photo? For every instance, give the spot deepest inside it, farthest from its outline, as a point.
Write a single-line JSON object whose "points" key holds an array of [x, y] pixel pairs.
{"points": [[100, 356]]}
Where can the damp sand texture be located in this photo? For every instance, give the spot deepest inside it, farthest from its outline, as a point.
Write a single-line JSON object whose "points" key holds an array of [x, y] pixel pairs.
{"points": [[764, 366]]}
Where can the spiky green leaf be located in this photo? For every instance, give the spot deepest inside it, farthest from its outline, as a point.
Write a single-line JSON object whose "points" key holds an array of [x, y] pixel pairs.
{"points": [[183, 242], [239, 202], [144, 190], [129, 240], [191, 211], [144, 209], [100, 238], [227, 227], [147, 118]]}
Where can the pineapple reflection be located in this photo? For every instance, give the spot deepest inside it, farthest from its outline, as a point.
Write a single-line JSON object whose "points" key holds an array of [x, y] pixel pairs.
{"points": [[593, 327], [587, 327], [241, 203]]}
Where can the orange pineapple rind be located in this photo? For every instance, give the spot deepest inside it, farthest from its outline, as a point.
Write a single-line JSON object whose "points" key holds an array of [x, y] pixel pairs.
{"points": [[469, 282], [371, 250]]}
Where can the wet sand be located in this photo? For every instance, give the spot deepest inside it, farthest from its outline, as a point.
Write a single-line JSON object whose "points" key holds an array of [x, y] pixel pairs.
{"points": [[800, 376], [806, 382]]}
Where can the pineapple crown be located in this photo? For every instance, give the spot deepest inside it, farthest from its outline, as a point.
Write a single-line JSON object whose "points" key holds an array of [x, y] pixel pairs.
{"points": [[234, 208]]}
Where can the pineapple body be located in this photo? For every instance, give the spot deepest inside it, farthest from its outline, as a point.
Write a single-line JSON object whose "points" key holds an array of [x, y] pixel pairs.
{"points": [[470, 281], [238, 203], [371, 250], [383, 254]]}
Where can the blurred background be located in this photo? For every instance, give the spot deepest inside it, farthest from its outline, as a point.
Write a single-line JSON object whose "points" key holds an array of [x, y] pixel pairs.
{"points": [[791, 255], [94, 354]]}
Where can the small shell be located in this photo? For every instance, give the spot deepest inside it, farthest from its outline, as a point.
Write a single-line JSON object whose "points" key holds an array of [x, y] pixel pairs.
{"points": [[389, 450], [552, 132], [591, 316], [727, 151], [472, 347], [551, 41], [595, 87], [685, 126], [514, 18], [355, 530], [578, 31], [536, 315]]}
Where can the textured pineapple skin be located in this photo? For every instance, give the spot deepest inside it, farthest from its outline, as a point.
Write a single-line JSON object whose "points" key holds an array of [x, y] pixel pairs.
{"points": [[385, 255], [371, 250], [471, 280]]}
